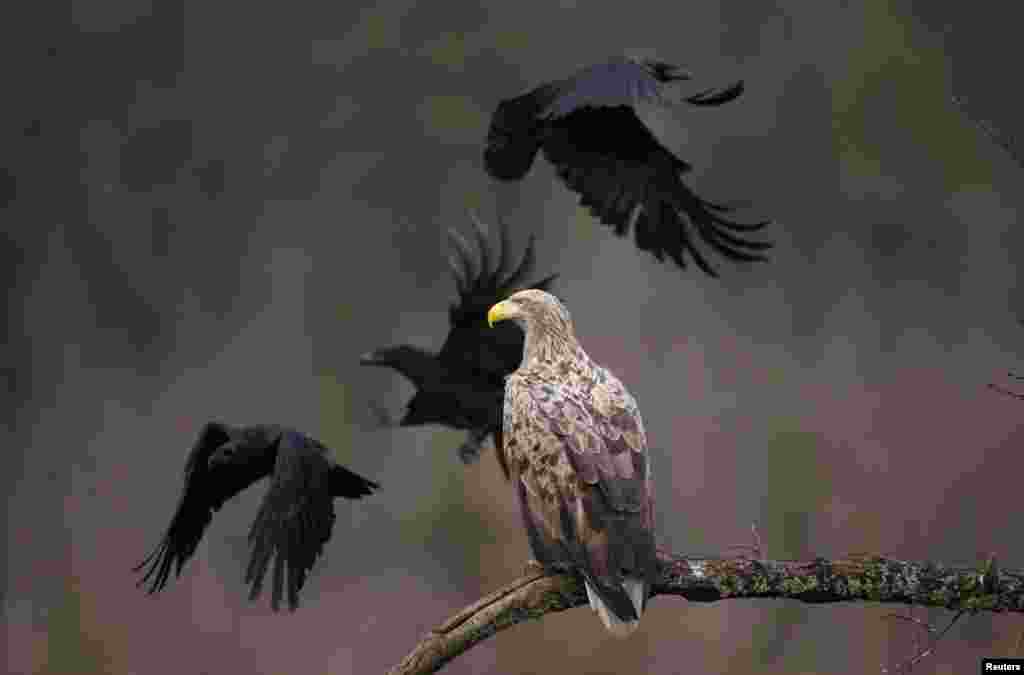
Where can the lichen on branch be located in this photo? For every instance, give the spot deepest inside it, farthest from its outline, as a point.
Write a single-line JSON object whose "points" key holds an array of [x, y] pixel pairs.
{"points": [[857, 578]]}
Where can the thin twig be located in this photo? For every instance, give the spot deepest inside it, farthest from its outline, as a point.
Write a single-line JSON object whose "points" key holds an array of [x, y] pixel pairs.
{"points": [[1004, 140], [932, 645], [755, 551], [1006, 392]]}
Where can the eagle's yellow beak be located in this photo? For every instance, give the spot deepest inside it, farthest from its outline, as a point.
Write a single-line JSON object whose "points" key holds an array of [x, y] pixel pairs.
{"points": [[498, 312]]}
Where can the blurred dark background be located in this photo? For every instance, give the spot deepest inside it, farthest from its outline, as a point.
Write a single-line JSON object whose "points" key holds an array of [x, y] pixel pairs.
{"points": [[209, 210]]}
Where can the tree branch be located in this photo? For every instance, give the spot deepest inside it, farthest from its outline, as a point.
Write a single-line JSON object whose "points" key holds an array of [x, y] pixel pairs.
{"points": [[995, 134], [860, 578]]}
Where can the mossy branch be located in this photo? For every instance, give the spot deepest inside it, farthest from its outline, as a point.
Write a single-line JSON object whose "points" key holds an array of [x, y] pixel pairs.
{"points": [[860, 578]]}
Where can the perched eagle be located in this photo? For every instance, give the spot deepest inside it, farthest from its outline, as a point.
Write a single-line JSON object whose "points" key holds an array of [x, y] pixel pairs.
{"points": [[463, 385], [576, 448], [296, 516], [587, 128]]}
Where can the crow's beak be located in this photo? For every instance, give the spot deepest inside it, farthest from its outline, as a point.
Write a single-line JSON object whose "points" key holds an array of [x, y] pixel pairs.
{"points": [[676, 73], [370, 359]]}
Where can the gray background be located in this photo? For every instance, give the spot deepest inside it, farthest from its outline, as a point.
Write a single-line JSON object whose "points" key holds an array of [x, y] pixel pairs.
{"points": [[212, 210]]}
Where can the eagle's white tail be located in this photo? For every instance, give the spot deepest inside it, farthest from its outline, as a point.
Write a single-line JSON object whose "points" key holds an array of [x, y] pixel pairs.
{"points": [[635, 590]]}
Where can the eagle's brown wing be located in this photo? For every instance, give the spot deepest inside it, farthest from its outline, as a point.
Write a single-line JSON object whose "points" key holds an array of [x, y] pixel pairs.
{"points": [[575, 442]]}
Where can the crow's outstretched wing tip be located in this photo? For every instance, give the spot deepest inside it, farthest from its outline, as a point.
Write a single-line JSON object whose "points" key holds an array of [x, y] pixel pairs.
{"points": [[716, 97], [545, 283], [156, 568], [365, 489], [145, 562]]}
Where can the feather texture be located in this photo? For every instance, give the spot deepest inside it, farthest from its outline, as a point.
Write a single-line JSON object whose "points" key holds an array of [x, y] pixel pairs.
{"points": [[295, 518], [577, 451], [587, 128], [462, 385]]}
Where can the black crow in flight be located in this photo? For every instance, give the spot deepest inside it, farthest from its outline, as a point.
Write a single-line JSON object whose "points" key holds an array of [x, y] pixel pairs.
{"points": [[296, 516], [463, 385], [587, 128]]}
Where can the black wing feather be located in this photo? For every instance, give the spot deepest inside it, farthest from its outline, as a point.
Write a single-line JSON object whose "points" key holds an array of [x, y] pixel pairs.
{"points": [[462, 386], [297, 516], [348, 484], [472, 351], [205, 491], [716, 97], [294, 520], [615, 173], [587, 128], [512, 137]]}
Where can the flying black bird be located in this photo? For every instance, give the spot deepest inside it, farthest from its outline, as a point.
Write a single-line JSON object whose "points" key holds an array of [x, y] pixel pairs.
{"points": [[296, 516], [587, 128], [463, 385]]}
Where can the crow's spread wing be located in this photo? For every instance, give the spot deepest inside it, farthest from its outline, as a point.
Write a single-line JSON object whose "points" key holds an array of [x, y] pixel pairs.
{"points": [[205, 491], [587, 128], [472, 349], [296, 516], [627, 179]]}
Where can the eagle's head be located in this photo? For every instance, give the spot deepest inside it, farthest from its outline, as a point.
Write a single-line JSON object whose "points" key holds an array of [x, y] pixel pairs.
{"points": [[536, 312]]}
